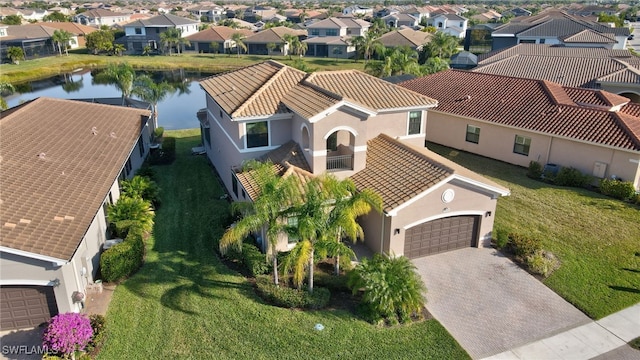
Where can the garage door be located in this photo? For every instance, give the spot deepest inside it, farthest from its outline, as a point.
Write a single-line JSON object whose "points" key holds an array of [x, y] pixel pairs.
{"points": [[441, 235], [26, 306]]}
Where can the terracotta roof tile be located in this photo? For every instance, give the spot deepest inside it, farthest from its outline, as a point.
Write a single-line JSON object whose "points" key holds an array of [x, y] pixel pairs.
{"points": [[589, 36], [254, 90], [55, 179], [217, 34], [569, 66], [287, 160], [529, 104], [397, 171], [405, 37], [367, 90], [273, 35], [308, 101]]}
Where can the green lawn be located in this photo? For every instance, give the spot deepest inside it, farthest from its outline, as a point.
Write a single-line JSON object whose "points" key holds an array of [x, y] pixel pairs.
{"points": [[45, 67], [184, 303], [596, 238]]}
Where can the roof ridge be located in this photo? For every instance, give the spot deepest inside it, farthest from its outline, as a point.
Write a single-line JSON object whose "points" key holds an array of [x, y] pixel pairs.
{"points": [[262, 88], [556, 92], [621, 120], [306, 81]]}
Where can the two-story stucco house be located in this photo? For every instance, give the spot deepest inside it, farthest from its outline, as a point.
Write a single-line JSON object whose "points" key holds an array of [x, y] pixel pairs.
{"points": [[450, 24], [56, 184], [352, 125], [143, 32], [332, 37], [100, 17]]}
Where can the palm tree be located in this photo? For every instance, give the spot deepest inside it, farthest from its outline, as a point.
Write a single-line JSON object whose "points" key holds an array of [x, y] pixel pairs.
{"points": [[238, 40], [130, 212], [289, 43], [170, 38], [268, 210], [182, 42], [141, 187], [270, 47], [63, 38], [15, 54], [441, 45], [146, 50], [368, 45], [150, 91], [433, 65], [327, 211], [121, 76], [392, 288], [299, 47], [214, 47], [118, 49]]}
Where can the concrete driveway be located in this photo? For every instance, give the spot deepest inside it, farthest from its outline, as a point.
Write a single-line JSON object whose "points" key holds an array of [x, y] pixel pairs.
{"points": [[489, 304]]}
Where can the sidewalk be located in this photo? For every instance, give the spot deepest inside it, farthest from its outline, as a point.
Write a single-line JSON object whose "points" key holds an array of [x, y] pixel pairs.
{"points": [[606, 338]]}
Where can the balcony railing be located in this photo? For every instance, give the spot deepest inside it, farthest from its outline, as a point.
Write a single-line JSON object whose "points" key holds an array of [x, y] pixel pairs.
{"points": [[340, 162]]}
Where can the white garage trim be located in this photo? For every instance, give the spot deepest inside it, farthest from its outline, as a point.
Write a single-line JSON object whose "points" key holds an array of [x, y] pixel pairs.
{"points": [[55, 261], [444, 215], [27, 282]]}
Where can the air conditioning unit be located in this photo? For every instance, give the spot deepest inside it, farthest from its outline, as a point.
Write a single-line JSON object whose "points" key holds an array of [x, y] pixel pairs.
{"points": [[599, 169]]}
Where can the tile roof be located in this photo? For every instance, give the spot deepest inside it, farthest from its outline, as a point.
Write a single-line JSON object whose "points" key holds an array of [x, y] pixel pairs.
{"points": [[569, 66], [339, 23], [273, 35], [270, 87], [367, 90], [163, 20], [399, 172], [59, 159], [256, 90], [405, 37], [217, 34], [329, 40], [74, 28], [30, 31], [533, 105], [99, 13], [554, 23], [287, 160], [590, 37]]}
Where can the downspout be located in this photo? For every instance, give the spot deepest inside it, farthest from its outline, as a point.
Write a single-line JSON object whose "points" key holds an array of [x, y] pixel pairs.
{"points": [[549, 150]]}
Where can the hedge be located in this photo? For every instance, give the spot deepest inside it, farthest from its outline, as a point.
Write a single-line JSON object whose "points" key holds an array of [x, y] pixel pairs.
{"points": [[122, 260], [254, 260], [622, 190]]}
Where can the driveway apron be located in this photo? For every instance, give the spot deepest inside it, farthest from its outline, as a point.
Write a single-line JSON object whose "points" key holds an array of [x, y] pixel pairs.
{"points": [[489, 304]]}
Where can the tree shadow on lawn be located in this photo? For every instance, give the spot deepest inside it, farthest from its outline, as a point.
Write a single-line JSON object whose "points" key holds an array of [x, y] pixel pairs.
{"points": [[183, 280], [624, 288]]}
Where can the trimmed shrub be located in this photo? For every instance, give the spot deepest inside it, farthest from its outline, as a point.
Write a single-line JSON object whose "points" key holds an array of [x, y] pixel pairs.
{"points": [[98, 324], [122, 260], [291, 298], [254, 260], [542, 262], [67, 333], [147, 171], [141, 187], [535, 170], [130, 212], [330, 281], [568, 176], [524, 246], [158, 132], [622, 190]]}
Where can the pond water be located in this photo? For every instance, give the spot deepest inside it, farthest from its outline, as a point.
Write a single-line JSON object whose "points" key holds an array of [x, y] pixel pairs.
{"points": [[177, 111]]}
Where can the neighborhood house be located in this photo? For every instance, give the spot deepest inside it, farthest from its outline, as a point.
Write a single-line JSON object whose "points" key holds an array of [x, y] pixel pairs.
{"points": [[56, 185], [352, 125]]}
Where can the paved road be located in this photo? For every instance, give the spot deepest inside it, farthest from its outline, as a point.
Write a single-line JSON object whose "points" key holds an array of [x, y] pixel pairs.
{"points": [[635, 43], [489, 304]]}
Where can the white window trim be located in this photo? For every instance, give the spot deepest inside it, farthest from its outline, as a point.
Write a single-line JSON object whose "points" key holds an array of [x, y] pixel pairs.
{"points": [[244, 127], [421, 133]]}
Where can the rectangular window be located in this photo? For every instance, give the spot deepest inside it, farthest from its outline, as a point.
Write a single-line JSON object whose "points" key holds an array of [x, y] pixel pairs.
{"points": [[527, 41], [234, 184], [292, 222], [141, 146], [415, 123], [521, 145], [138, 31], [127, 167], [207, 136], [542, 41], [332, 32], [473, 134], [315, 32], [257, 134]]}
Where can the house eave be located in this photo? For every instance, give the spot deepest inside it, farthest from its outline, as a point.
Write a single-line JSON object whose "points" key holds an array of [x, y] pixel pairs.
{"points": [[55, 261]]}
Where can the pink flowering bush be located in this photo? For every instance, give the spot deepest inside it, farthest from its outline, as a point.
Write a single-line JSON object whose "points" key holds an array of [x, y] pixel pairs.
{"points": [[67, 333]]}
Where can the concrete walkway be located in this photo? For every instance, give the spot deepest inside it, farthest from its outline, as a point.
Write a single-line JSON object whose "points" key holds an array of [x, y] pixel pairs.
{"points": [[489, 304], [603, 339]]}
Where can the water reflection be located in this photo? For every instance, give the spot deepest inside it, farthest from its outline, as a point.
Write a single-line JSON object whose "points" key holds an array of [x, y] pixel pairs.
{"points": [[176, 111]]}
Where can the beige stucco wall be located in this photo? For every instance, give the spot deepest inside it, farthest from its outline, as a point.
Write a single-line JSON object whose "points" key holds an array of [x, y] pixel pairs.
{"points": [[631, 91], [497, 142], [376, 231]]}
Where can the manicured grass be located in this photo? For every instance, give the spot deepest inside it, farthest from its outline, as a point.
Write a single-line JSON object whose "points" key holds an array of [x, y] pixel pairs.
{"points": [[596, 238], [184, 303], [45, 67]]}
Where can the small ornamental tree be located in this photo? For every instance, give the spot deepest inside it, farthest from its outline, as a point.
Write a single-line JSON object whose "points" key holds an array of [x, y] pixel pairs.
{"points": [[67, 333]]}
